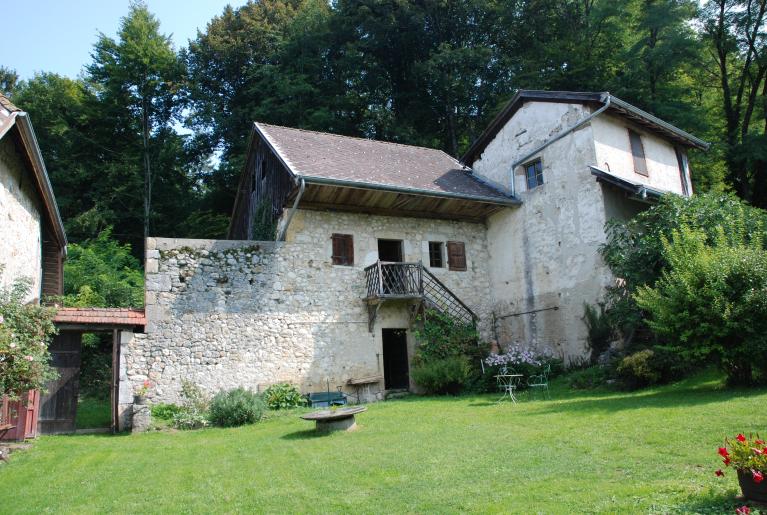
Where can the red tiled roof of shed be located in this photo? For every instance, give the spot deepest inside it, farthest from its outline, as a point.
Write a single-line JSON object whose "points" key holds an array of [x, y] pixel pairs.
{"points": [[100, 316]]}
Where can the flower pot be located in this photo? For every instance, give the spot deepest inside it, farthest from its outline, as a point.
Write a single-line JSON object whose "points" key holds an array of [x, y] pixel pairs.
{"points": [[139, 399], [752, 490]]}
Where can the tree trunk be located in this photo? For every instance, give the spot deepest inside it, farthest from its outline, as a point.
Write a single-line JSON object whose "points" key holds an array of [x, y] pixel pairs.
{"points": [[147, 165]]}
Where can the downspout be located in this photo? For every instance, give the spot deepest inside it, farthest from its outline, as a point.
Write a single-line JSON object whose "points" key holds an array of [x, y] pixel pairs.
{"points": [[292, 211], [556, 138]]}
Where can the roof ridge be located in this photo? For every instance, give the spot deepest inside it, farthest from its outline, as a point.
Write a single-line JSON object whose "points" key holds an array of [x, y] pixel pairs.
{"points": [[263, 124]]}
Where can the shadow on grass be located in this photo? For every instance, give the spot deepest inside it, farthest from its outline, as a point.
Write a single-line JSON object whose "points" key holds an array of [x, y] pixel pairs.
{"points": [[304, 434], [711, 504]]}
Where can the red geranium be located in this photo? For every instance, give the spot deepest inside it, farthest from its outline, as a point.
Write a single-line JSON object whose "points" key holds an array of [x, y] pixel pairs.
{"points": [[758, 477], [743, 510], [740, 437]]}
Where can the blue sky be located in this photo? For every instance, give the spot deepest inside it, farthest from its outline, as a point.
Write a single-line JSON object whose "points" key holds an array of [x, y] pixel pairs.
{"points": [[58, 35]]}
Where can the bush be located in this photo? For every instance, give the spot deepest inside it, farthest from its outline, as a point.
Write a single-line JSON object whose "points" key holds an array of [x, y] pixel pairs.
{"points": [[443, 376], [235, 408], [25, 330], [283, 396], [166, 411], [588, 378], [600, 330], [193, 413], [712, 299], [637, 370]]}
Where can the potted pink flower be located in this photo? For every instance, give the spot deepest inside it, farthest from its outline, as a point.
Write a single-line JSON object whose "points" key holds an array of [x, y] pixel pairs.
{"points": [[140, 396], [748, 456]]}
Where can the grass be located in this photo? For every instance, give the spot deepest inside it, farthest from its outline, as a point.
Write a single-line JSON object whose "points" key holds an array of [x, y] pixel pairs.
{"points": [[652, 451], [93, 413]]}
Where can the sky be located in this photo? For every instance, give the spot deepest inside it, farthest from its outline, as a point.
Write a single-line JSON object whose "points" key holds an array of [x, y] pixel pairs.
{"points": [[58, 35]]}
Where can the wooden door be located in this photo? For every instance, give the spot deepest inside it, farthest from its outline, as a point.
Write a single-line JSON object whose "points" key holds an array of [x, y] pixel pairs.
{"points": [[58, 407]]}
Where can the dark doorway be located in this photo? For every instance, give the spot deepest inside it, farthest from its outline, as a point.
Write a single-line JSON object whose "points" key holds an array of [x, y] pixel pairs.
{"points": [[390, 250], [396, 369]]}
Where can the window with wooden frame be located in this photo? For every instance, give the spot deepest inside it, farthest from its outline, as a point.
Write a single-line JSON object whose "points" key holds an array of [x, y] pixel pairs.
{"points": [[681, 160], [534, 174], [436, 259], [343, 249], [637, 151], [456, 256]]}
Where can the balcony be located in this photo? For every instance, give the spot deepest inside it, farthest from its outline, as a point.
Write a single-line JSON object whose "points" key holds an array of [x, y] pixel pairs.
{"points": [[412, 281]]}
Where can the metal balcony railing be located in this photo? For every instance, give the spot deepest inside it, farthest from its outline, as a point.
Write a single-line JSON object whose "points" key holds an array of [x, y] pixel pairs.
{"points": [[390, 280]]}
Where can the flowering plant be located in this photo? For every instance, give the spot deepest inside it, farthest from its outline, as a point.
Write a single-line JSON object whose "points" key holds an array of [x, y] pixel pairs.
{"points": [[516, 355], [24, 333], [746, 455], [142, 390]]}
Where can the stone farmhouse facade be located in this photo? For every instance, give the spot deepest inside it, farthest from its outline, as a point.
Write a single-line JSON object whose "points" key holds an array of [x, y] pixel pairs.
{"points": [[337, 243], [32, 237]]}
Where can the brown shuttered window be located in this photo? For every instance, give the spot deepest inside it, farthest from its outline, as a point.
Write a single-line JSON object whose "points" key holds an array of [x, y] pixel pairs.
{"points": [[456, 256], [637, 151], [343, 249]]}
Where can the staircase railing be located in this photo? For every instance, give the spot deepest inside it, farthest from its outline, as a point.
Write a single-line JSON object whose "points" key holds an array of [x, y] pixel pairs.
{"points": [[412, 280]]}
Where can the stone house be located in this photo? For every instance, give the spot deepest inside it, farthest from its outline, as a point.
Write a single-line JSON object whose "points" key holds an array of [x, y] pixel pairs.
{"points": [[336, 243], [32, 238]]}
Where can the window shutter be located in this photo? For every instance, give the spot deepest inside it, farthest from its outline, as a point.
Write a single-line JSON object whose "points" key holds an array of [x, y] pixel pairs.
{"points": [[637, 151], [343, 249], [456, 256], [349, 249]]}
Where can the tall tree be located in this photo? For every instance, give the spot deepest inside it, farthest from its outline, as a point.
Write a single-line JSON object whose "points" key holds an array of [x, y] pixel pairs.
{"points": [[8, 80], [141, 77], [735, 32]]}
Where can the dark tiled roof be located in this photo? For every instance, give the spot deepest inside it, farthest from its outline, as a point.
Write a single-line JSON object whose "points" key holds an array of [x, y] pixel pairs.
{"points": [[343, 158], [100, 316]]}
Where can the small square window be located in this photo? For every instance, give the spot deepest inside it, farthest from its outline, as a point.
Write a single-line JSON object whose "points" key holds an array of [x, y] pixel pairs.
{"points": [[436, 259], [534, 174]]}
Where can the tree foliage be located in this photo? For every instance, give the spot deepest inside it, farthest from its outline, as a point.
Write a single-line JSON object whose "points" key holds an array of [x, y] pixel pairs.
{"points": [[711, 299], [102, 273]]}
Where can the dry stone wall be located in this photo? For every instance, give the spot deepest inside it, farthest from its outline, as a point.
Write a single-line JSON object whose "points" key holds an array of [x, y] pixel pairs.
{"points": [[224, 314]]}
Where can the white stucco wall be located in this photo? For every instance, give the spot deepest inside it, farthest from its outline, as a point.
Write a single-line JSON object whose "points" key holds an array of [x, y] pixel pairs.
{"points": [[544, 254], [613, 154], [20, 229]]}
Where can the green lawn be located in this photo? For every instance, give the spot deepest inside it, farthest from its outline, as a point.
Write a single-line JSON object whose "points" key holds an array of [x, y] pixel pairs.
{"points": [[93, 413], [612, 452]]}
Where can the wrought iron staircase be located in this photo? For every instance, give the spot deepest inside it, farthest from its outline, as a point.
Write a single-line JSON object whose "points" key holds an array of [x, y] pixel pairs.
{"points": [[411, 281]]}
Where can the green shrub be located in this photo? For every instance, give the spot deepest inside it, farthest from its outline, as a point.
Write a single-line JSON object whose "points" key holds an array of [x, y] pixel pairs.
{"points": [[638, 370], [193, 414], [711, 300], [235, 408], [283, 396], [165, 411], [441, 376], [588, 378], [600, 330]]}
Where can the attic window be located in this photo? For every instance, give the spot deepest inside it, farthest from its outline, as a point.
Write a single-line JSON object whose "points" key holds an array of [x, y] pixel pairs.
{"points": [[534, 174], [637, 151]]}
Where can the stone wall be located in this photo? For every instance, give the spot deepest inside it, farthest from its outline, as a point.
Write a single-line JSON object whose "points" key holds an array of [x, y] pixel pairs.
{"points": [[20, 245], [224, 314]]}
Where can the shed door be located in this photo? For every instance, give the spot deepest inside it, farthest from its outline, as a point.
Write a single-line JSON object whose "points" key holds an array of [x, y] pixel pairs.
{"points": [[58, 407]]}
